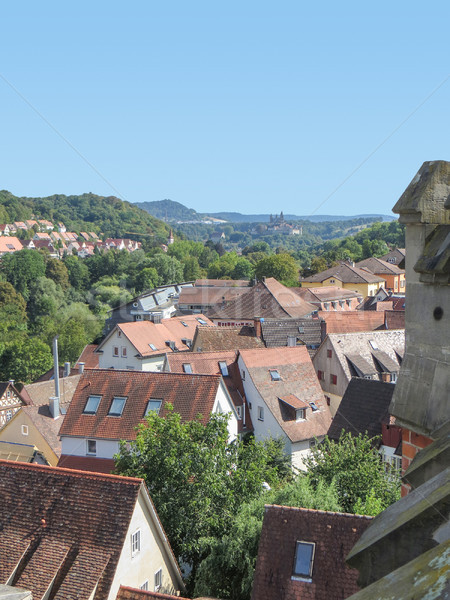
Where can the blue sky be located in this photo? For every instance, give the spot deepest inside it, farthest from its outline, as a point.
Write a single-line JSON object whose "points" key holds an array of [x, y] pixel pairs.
{"points": [[253, 107]]}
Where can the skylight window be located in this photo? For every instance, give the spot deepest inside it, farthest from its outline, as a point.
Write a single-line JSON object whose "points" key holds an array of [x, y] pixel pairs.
{"points": [[373, 344], [223, 368], [184, 323], [153, 405], [152, 346], [304, 559], [202, 322], [187, 367], [314, 406], [117, 406], [275, 376], [92, 405]]}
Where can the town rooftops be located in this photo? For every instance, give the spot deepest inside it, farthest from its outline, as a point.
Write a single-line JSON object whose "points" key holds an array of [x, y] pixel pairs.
{"points": [[88, 356], [279, 373], [151, 339], [39, 393], [206, 296], [64, 530], [302, 552], [348, 321], [210, 339], [363, 408], [277, 332], [268, 299], [328, 293], [91, 411], [376, 265], [47, 426], [346, 273]]}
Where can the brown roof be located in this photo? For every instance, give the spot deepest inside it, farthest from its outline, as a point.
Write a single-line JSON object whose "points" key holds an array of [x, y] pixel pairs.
{"points": [[221, 283], [326, 293], [394, 319], [376, 265], [348, 321], [41, 391], [297, 377], [176, 329], [208, 296], [68, 525], [333, 534], [190, 395], [211, 339], [268, 299], [345, 273], [128, 593], [87, 463], [89, 357], [47, 426]]}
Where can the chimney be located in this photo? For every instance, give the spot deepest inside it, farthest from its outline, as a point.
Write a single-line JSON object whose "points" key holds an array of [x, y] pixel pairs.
{"points": [[81, 368], [386, 377], [56, 366], [54, 407], [291, 341], [257, 325], [11, 381], [66, 369], [323, 330]]}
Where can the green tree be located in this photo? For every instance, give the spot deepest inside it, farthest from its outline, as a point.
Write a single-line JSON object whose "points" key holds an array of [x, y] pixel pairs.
{"points": [[57, 270], [281, 266], [25, 360], [169, 269], [146, 279], [228, 569], [22, 269], [196, 479], [78, 272], [357, 470]]}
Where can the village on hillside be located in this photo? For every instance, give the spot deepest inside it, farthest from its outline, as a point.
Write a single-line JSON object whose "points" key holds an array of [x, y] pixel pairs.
{"points": [[234, 439]]}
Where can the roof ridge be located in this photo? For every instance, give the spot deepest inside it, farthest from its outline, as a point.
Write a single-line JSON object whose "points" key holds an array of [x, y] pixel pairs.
{"points": [[72, 472], [318, 511], [152, 373]]}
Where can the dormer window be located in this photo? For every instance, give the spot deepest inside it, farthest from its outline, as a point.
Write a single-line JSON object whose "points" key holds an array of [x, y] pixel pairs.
{"points": [[314, 406], [304, 560], [153, 405], [187, 368], [274, 375], [223, 368], [91, 405], [300, 414], [117, 406]]}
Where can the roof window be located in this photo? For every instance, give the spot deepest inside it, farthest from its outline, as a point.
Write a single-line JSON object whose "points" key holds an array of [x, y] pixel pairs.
{"points": [[92, 405], [373, 344], [187, 367], [117, 406], [275, 376], [202, 321], [184, 324], [314, 406], [223, 368], [304, 559], [152, 346], [153, 405]]}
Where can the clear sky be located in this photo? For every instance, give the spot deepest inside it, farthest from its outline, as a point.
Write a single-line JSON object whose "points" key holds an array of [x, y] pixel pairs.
{"points": [[248, 106]]}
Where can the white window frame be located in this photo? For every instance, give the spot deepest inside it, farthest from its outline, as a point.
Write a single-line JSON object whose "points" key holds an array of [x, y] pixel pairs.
{"points": [[124, 351], [144, 586], [260, 413], [239, 412], [24, 429], [115, 351], [300, 414], [135, 542], [303, 576], [158, 580]]}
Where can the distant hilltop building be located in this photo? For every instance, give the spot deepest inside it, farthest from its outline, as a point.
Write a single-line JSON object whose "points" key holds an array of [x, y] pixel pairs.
{"points": [[277, 223]]}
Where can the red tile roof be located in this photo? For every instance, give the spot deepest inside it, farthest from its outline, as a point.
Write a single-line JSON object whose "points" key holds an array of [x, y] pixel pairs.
{"points": [[297, 377], [128, 593], [10, 244], [352, 320], [72, 525], [221, 283], [395, 319], [333, 534], [87, 463], [190, 395], [89, 357], [326, 293]]}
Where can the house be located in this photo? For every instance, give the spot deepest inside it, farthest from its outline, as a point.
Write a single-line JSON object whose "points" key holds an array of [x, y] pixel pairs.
{"points": [[302, 553], [152, 305], [142, 345], [210, 339], [9, 244], [392, 274], [61, 228], [292, 332], [217, 236], [11, 401], [368, 354], [405, 551], [200, 299], [365, 409], [395, 256], [108, 406], [15, 451], [5, 229], [330, 297], [347, 276], [45, 225], [20, 225], [267, 299], [69, 534], [36, 427], [284, 398], [215, 363], [40, 392], [42, 235]]}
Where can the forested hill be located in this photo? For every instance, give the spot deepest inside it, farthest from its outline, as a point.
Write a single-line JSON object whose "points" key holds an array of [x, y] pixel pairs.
{"points": [[170, 210], [88, 212]]}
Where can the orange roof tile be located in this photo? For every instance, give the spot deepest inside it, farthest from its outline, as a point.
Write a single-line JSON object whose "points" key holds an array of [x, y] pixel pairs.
{"points": [[350, 321]]}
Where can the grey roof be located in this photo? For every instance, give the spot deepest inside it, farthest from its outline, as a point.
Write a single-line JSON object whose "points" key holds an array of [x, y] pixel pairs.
{"points": [[360, 365], [345, 273], [363, 408], [275, 332], [376, 265], [365, 343]]}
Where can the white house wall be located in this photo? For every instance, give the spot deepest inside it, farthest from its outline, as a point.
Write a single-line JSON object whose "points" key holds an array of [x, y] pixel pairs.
{"points": [[107, 360], [330, 366], [134, 571], [75, 446], [223, 404]]}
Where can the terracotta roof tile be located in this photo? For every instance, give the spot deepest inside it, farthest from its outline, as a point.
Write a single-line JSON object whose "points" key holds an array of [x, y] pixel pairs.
{"points": [[380, 267], [326, 293], [40, 392], [69, 518], [128, 593], [352, 320], [221, 283], [87, 463], [190, 395], [88, 356], [333, 534]]}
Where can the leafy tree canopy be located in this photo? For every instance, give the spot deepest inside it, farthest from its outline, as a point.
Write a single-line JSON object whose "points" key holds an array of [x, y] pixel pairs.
{"points": [[281, 266]]}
